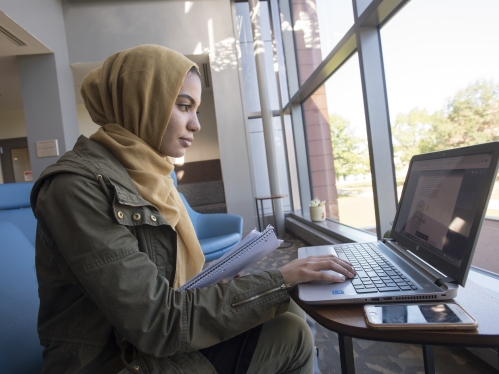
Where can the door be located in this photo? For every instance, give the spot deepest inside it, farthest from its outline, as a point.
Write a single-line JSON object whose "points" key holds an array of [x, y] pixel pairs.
{"points": [[15, 163]]}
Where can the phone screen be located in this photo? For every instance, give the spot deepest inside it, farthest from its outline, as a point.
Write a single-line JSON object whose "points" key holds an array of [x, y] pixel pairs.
{"points": [[435, 313]]}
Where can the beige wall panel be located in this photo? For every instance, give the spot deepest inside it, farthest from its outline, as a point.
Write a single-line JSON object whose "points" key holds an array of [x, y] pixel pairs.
{"points": [[12, 124]]}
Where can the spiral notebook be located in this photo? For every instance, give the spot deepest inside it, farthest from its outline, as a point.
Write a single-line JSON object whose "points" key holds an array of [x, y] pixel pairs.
{"points": [[251, 249]]}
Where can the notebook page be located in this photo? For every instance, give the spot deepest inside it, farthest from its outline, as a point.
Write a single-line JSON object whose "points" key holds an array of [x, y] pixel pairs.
{"points": [[252, 248]]}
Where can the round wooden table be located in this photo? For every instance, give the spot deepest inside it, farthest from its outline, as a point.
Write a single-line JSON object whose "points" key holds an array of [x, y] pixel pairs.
{"points": [[348, 322]]}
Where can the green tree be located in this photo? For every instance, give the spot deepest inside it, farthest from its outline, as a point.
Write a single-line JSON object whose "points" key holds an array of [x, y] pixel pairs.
{"points": [[470, 117], [412, 132], [349, 157]]}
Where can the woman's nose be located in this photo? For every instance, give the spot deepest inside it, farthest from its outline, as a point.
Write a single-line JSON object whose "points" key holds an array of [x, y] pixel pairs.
{"points": [[194, 124]]}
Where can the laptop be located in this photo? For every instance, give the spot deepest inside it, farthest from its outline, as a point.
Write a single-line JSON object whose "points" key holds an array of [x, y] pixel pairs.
{"points": [[433, 237]]}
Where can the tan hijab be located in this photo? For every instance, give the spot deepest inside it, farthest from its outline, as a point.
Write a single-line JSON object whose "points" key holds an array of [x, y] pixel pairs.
{"points": [[132, 97]]}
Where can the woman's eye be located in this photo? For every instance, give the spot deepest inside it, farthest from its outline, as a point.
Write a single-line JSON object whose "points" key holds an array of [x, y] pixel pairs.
{"points": [[184, 107]]}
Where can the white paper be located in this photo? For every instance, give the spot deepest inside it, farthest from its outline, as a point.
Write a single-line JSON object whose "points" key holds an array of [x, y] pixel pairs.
{"points": [[251, 249]]}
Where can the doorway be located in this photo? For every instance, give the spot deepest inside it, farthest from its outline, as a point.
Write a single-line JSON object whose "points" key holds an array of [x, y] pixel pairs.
{"points": [[15, 163]]}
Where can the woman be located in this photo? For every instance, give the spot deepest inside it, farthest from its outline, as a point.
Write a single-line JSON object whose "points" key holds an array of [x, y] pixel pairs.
{"points": [[114, 241]]}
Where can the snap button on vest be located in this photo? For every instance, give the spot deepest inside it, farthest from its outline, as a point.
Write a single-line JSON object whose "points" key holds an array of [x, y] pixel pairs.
{"points": [[120, 215], [153, 218], [136, 217]]}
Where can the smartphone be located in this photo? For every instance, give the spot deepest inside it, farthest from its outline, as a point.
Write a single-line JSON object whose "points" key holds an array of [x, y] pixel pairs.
{"points": [[424, 316]]}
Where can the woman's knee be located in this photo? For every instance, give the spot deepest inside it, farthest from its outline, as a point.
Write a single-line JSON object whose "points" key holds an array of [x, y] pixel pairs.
{"points": [[285, 345], [295, 309], [294, 327]]}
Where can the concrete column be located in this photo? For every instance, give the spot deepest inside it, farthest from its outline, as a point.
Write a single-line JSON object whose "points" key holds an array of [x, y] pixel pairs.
{"points": [[266, 111], [50, 112]]}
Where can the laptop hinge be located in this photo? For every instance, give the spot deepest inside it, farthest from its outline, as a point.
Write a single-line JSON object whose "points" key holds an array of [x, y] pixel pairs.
{"points": [[429, 271], [441, 281]]}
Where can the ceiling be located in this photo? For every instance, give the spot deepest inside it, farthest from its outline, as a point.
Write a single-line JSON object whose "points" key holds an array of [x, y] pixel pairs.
{"points": [[14, 41]]}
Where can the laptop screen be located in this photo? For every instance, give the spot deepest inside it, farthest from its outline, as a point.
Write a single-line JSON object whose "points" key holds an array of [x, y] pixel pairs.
{"points": [[444, 202], [440, 205]]}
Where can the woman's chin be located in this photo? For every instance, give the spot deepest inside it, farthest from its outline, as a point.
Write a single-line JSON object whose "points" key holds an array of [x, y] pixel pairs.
{"points": [[177, 154]]}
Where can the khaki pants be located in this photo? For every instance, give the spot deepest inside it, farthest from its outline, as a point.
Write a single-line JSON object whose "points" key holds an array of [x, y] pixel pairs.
{"points": [[285, 345]]}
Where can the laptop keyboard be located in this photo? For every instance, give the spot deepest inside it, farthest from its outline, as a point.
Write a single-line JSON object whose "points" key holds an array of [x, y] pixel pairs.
{"points": [[375, 273]]}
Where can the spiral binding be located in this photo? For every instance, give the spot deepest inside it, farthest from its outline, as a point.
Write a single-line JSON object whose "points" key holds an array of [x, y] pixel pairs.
{"points": [[194, 282]]}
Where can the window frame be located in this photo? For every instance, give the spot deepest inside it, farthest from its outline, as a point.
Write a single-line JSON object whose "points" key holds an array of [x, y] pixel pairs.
{"points": [[363, 37]]}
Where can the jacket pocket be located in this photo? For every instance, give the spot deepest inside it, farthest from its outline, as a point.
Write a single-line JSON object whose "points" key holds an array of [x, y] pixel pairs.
{"points": [[136, 366]]}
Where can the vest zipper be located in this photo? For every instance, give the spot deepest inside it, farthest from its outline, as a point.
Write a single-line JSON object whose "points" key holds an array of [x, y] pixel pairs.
{"points": [[281, 287]]}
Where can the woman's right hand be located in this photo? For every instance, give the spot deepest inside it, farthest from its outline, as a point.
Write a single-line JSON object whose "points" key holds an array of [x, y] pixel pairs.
{"points": [[309, 269]]}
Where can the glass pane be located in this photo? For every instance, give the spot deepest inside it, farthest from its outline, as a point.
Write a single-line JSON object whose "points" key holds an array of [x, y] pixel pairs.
{"points": [[21, 164], [335, 19], [443, 87], [442, 79], [318, 26], [337, 146], [248, 57], [259, 159]]}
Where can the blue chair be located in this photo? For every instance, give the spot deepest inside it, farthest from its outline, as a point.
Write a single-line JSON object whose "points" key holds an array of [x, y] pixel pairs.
{"points": [[15, 208], [217, 232], [20, 349]]}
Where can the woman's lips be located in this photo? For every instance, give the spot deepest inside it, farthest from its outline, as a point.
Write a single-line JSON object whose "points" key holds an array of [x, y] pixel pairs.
{"points": [[186, 142]]}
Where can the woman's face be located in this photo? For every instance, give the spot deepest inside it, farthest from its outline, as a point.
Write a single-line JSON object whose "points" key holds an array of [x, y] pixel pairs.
{"points": [[184, 120]]}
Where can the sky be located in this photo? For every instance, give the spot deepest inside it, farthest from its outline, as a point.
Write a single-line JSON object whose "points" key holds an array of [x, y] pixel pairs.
{"points": [[431, 49]]}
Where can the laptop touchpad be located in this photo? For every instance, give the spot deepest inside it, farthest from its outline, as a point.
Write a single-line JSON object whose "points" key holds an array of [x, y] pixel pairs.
{"points": [[339, 288]]}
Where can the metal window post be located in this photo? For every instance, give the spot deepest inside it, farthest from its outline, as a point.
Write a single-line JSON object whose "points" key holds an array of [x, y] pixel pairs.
{"points": [[377, 123]]}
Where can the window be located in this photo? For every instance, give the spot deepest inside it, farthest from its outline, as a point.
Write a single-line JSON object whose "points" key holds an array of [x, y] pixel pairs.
{"points": [[248, 57], [259, 159], [337, 148], [318, 26], [443, 87], [258, 153]]}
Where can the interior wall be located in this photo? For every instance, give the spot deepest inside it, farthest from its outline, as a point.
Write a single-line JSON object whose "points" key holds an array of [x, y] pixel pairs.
{"points": [[12, 124], [85, 124], [175, 24], [191, 28], [205, 146]]}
